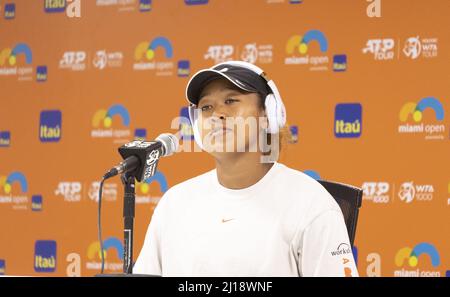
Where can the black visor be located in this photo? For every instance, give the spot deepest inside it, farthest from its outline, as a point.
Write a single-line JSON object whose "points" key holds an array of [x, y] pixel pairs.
{"points": [[243, 78]]}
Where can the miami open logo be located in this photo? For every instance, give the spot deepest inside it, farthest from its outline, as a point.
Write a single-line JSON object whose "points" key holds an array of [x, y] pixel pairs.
{"points": [[143, 189], [303, 49], [113, 122], [17, 61], [14, 189], [415, 118], [409, 259], [155, 55], [112, 254]]}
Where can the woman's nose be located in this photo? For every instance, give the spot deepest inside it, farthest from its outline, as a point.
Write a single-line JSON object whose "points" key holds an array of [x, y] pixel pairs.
{"points": [[220, 112]]}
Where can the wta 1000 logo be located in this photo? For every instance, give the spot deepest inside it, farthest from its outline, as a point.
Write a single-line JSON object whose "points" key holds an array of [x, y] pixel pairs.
{"points": [[413, 115], [106, 122], [409, 192], [412, 257]]}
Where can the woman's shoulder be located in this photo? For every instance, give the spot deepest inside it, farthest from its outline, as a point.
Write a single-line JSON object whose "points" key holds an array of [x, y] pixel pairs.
{"points": [[305, 189]]}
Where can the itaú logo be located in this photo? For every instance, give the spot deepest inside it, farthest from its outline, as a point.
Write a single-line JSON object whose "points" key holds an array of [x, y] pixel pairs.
{"points": [[348, 120], [45, 256], [71, 7]]}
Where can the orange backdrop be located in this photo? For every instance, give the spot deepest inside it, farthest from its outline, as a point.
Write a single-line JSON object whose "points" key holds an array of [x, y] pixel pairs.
{"points": [[367, 99]]}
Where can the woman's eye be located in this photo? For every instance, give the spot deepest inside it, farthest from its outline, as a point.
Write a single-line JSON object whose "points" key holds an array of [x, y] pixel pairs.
{"points": [[230, 100], [205, 107]]}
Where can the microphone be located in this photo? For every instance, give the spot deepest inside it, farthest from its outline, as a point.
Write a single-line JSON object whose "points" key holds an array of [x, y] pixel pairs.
{"points": [[141, 157]]}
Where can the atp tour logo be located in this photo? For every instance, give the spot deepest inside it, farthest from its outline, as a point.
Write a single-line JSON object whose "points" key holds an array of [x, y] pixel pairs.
{"points": [[148, 57], [348, 120], [382, 49], [73, 60], [410, 257], [377, 192], [71, 191], [50, 126], [249, 52], [106, 121], [219, 53], [17, 62], [298, 49], [5, 138], [111, 262], [14, 189], [71, 7], [10, 11], [45, 256], [412, 115], [409, 192], [143, 189]]}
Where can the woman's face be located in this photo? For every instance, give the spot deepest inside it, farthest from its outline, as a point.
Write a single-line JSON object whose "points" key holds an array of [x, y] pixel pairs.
{"points": [[231, 119]]}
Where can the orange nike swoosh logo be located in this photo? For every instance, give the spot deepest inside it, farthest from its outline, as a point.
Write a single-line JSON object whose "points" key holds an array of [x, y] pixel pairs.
{"points": [[224, 221]]}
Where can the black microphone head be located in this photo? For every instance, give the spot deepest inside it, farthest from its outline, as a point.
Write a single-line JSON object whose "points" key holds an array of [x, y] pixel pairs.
{"points": [[169, 142], [148, 154]]}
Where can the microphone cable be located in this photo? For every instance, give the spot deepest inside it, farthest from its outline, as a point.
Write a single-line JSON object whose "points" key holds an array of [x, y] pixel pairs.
{"points": [[99, 224]]}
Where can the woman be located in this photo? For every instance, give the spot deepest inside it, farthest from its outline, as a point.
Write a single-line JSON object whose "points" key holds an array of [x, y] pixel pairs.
{"points": [[248, 216]]}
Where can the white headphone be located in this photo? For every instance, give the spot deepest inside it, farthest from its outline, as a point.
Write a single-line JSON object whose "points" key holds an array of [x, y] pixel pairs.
{"points": [[275, 110]]}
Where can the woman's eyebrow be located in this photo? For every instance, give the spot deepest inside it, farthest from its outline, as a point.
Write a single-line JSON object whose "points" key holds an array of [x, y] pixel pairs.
{"points": [[232, 91], [201, 96], [226, 92]]}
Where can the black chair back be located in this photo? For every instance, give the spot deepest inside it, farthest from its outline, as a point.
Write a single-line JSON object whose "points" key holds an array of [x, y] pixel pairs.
{"points": [[349, 199]]}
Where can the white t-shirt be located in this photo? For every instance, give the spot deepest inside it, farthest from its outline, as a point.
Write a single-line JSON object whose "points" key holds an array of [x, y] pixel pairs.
{"points": [[286, 224]]}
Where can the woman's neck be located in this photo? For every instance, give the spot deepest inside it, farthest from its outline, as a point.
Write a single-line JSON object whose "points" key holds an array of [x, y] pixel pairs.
{"points": [[240, 170]]}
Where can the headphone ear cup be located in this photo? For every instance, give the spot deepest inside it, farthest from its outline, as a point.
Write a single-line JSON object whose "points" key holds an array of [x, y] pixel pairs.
{"points": [[281, 114], [271, 112]]}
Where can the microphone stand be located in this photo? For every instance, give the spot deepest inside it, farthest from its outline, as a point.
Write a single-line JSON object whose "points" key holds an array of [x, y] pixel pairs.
{"points": [[128, 181]]}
